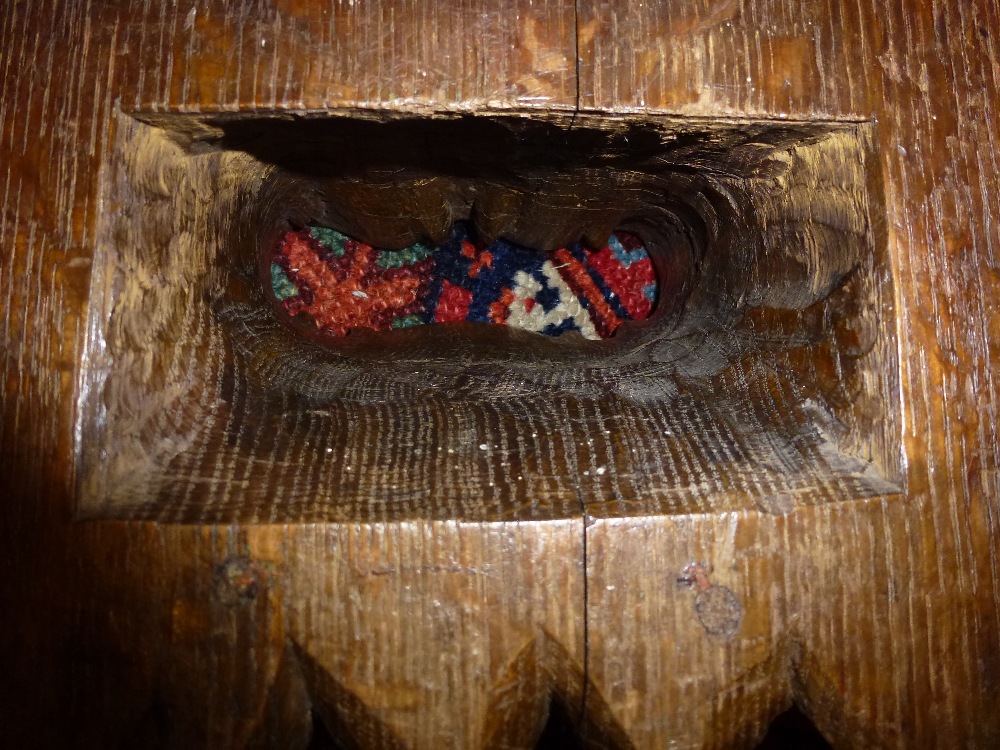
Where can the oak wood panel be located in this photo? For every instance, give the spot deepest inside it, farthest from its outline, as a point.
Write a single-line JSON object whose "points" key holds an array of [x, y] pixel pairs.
{"points": [[893, 604], [831, 610], [146, 635], [883, 613]]}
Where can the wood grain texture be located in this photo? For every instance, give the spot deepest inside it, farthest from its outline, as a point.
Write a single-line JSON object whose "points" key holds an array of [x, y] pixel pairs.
{"points": [[880, 617], [302, 54], [792, 59]]}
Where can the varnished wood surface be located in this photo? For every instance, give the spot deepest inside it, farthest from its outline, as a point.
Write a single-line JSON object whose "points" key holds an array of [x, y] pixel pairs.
{"points": [[879, 616], [795, 59]]}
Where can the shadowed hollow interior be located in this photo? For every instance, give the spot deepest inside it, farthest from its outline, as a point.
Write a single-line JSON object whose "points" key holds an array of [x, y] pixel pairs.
{"points": [[763, 378]]}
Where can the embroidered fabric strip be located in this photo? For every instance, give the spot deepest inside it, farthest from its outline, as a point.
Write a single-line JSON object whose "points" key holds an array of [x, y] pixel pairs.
{"points": [[337, 283]]}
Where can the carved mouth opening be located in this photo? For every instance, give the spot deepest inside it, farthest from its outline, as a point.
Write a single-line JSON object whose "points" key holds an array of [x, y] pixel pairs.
{"points": [[758, 373]]}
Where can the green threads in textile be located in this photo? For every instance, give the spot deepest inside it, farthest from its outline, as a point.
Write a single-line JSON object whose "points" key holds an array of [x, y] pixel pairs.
{"points": [[282, 285]]}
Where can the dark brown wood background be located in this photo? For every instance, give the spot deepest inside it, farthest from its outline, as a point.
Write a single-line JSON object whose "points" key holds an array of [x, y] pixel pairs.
{"points": [[880, 618]]}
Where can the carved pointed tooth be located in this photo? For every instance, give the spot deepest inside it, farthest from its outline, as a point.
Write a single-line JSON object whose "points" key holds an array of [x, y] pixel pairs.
{"points": [[495, 212], [435, 202]]}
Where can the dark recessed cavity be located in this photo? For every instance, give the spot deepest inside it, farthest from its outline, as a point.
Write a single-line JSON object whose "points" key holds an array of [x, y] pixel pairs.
{"points": [[511, 188], [760, 375]]}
